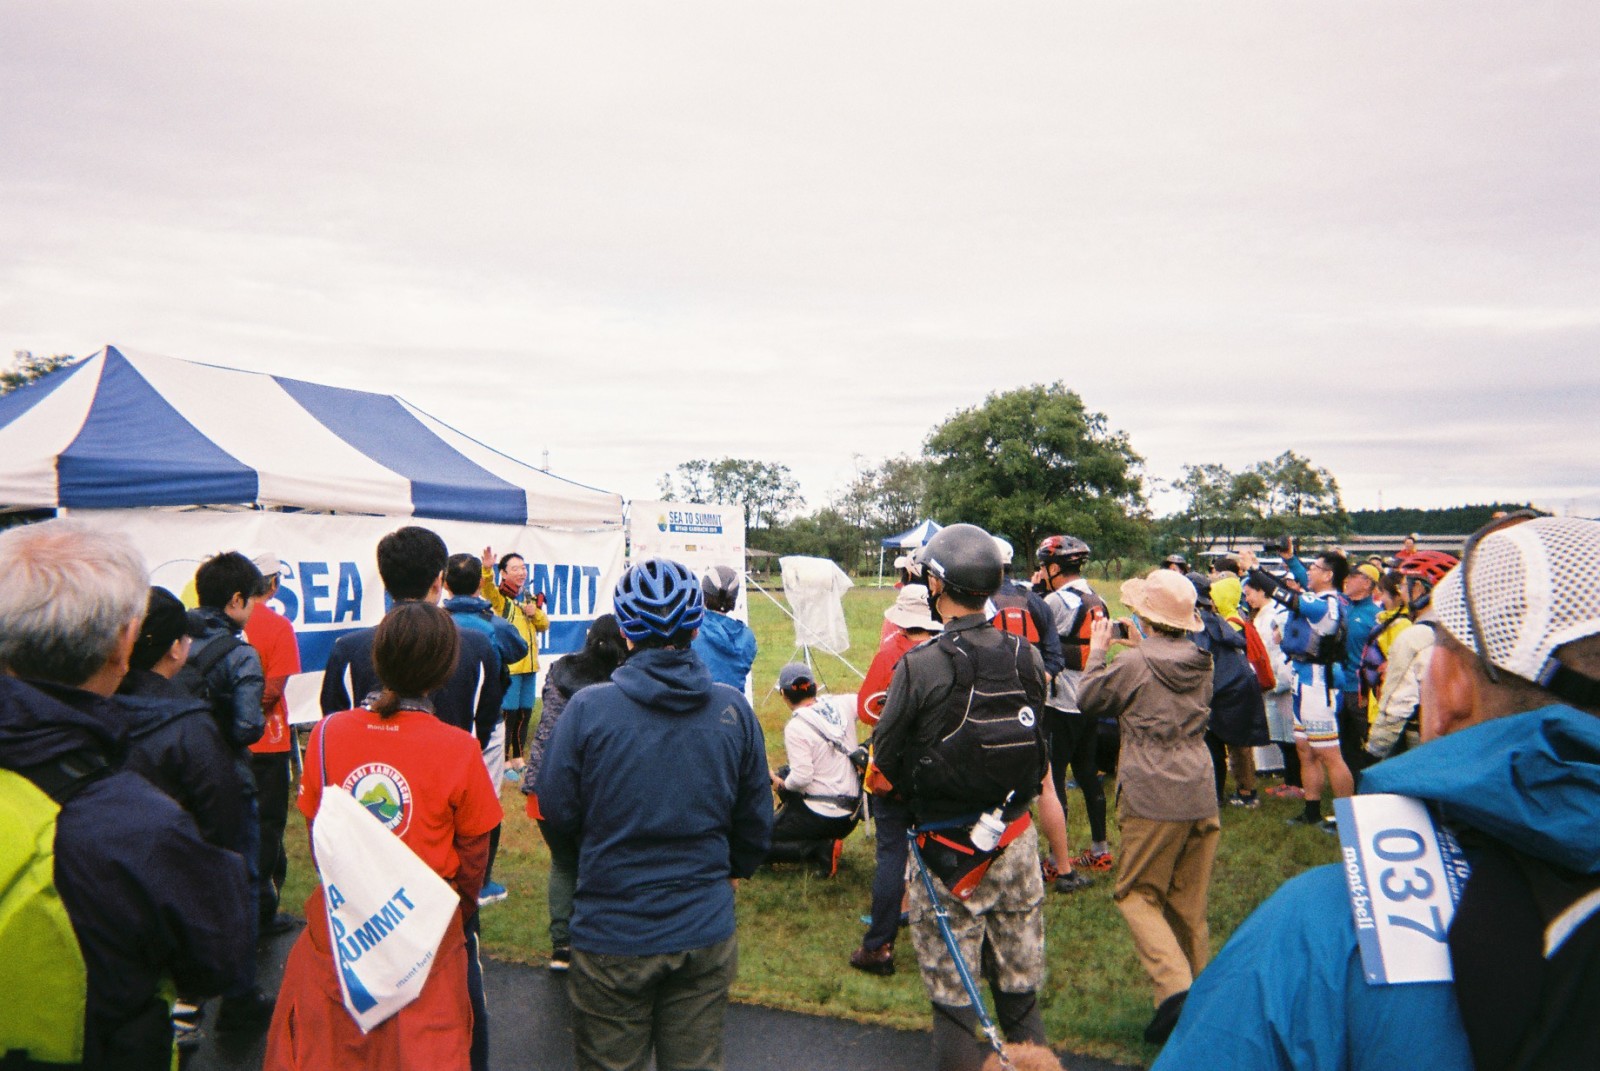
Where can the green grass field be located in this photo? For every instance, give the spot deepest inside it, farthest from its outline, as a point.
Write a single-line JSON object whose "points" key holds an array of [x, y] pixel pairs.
{"points": [[795, 931]]}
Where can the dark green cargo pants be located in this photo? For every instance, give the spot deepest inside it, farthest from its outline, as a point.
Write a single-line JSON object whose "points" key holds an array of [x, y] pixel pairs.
{"points": [[626, 1006]]}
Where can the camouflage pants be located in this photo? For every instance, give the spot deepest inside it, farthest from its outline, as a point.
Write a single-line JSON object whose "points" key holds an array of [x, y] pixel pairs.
{"points": [[1000, 928]]}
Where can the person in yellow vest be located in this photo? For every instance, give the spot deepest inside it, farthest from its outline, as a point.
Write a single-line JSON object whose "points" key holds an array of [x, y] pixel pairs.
{"points": [[506, 588]]}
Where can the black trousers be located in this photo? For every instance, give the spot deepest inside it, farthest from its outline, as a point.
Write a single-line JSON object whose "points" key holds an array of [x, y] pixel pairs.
{"points": [[1074, 743], [272, 800]]}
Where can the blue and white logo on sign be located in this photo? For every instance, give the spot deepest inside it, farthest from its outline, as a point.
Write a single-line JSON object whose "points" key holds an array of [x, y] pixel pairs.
{"points": [[693, 523]]}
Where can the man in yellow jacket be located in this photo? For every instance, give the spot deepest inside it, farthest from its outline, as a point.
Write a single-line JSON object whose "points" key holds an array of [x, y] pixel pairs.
{"points": [[511, 599]]}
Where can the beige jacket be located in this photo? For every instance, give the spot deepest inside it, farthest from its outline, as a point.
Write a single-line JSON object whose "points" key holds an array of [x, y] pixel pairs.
{"points": [[1160, 693]]}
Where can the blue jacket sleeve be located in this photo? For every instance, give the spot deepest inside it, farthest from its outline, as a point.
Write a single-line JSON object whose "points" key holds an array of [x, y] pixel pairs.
{"points": [[561, 771], [1287, 993], [1049, 641], [335, 697], [491, 693], [508, 642], [751, 835], [747, 648]]}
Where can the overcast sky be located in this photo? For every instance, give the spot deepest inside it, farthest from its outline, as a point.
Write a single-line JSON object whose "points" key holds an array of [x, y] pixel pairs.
{"points": [[636, 234]]}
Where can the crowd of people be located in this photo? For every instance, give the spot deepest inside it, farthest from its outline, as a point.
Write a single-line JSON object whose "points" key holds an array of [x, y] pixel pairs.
{"points": [[145, 752]]}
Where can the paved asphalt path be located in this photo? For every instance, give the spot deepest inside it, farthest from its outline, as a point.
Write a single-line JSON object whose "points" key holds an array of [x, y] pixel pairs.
{"points": [[530, 1030]]}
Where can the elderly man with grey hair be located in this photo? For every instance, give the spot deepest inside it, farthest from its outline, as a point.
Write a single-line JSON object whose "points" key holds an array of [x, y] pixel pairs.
{"points": [[148, 901]]}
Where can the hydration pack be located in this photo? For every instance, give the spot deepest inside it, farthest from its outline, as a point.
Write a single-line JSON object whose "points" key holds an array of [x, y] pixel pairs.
{"points": [[41, 966], [194, 678], [991, 741], [1011, 614]]}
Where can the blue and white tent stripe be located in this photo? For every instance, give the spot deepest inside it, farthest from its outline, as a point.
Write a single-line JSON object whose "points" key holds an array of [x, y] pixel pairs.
{"points": [[122, 430]]}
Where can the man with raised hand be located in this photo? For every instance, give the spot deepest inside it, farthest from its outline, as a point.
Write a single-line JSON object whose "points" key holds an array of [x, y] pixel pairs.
{"points": [[1510, 770], [1313, 640]]}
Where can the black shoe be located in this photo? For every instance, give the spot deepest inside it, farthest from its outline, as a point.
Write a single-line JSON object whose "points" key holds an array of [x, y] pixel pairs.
{"points": [[252, 1012], [1166, 1018], [560, 959], [279, 924]]}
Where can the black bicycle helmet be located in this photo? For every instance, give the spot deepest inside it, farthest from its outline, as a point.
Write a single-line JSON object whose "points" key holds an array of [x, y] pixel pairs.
{"points": [[965, 558]]}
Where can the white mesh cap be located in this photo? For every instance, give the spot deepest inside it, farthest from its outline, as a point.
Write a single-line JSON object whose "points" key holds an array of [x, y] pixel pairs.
{"points": [[1535, 587]]}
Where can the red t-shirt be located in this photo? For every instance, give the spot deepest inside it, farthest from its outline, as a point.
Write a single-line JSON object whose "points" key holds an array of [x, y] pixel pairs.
{"points": [[423, 779], [875, 688], [270, 633]]}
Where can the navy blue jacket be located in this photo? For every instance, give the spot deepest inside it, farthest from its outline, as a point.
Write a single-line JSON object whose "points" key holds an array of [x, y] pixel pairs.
{"points": [[1238, 711], [660, 778], [469, 700], [175, 745], [477, 614], [146, 895]]}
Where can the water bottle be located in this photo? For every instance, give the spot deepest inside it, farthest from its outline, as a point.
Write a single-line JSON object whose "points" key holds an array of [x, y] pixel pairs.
{"points": [[985, 832]]}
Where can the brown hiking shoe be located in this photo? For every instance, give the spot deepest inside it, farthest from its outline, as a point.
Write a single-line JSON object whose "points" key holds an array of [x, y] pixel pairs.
{"points": [[878, 960]]}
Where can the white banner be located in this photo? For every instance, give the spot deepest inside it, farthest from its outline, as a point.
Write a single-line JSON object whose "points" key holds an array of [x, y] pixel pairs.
{"points": [[692, 534], [330, 584]]}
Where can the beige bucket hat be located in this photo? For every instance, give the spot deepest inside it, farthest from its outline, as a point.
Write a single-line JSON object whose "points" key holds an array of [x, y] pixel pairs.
{"points": [[1165, 597]]}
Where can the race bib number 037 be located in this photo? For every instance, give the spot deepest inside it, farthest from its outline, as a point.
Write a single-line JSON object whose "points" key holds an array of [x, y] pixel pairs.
{"points": [[1405, 879]]}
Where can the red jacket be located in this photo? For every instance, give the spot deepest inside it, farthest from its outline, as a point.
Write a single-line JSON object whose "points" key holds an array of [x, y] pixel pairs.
{"points": [[875, 688]]}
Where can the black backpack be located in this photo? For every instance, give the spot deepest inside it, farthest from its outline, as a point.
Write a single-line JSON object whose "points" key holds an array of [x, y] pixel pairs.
{"points": [[193, 678], [1526, 1005], [991, 743]]}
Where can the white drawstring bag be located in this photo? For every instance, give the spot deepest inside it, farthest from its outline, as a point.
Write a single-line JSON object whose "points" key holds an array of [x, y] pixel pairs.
{"points": [[387, 909]]}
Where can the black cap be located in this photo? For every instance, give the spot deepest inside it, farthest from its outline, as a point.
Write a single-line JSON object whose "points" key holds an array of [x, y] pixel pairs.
{"points": [[165, 620]]}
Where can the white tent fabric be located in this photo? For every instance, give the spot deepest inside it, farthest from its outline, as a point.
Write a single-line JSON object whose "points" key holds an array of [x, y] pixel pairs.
{"points": [[124, 430]]}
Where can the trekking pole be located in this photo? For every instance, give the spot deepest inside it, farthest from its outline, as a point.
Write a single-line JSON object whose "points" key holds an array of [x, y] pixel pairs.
{"points": [[942, 917]]}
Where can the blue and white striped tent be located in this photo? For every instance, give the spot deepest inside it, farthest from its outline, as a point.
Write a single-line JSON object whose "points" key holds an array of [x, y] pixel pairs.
{"points": [[124, 430]]}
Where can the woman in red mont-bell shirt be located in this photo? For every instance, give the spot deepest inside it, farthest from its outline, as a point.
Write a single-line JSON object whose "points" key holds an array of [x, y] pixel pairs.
{"points": [[437, 798]]}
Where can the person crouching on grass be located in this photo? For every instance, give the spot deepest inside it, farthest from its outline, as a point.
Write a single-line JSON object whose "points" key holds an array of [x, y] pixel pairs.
{"points": [[1160, 692], [819, 792]]}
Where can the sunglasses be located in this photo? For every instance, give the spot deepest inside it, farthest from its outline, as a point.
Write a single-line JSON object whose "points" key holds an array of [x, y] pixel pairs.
{"points": [[1473, 624]]}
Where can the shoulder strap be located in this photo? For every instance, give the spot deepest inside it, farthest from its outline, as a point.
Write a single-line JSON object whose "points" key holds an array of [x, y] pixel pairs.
{"points": [[63, 778], [215, 652]]}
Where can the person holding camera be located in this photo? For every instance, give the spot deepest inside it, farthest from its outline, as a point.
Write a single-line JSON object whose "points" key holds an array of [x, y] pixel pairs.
{"points": [[819, 791], [1159, 689]]}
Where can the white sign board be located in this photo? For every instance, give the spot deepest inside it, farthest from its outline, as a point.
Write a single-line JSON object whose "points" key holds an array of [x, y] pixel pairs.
{"points": [[692, 534], [330, 584]]}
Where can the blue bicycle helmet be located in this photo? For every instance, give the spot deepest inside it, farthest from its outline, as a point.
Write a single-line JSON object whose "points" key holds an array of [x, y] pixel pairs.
{"points": [[657, 598]]}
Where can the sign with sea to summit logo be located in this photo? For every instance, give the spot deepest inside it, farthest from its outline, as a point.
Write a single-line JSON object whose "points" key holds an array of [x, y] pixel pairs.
{"points": [[693, 522]]}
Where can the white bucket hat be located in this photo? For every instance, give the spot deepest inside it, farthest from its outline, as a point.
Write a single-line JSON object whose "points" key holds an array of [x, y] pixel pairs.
{"points": [[910, 610]]}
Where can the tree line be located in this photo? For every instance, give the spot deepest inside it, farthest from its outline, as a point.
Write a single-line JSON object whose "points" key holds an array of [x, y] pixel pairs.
{"points": [[1033, 461]]}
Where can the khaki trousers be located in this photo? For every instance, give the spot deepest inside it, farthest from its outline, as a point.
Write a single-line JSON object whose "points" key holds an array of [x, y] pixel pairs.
{"points": [[1162, 878]]}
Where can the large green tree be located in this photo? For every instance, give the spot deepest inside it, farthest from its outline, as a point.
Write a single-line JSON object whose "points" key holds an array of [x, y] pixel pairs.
{"points": [[1287, 495], [887, 498], [1034, 461], [766, 491]]}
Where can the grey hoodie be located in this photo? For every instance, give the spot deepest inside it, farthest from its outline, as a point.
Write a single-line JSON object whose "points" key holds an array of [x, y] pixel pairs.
{"points": [[1160, 693]]}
